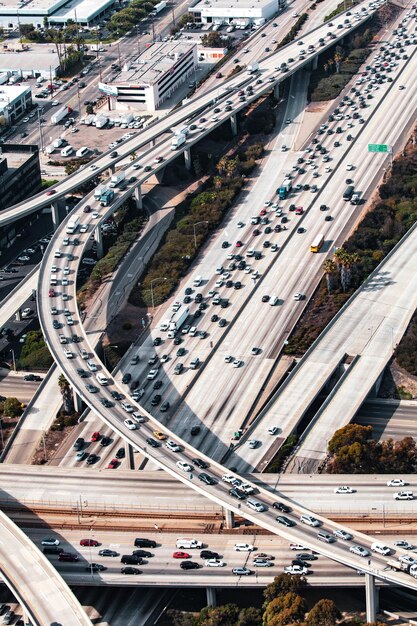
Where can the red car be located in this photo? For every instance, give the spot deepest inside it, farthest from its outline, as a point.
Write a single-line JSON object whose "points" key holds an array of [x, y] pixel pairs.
{"points": [[238, 244], [68, 556], [180, 555], [263, 212], [299, 210], [51, 293], [51, 192], [89, 542], [256, 232], [95, 436], [113, 464]]}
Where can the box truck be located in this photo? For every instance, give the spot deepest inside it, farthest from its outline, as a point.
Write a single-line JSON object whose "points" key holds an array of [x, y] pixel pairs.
{"points": [[178, 141], [60, 114], [117, 178], [73, 224]]}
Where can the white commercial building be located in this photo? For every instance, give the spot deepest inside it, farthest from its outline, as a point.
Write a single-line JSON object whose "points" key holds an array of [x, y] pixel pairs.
{"points": [[14, 100], [146, 81], [236, 12], [36, 12], [32, 61]]}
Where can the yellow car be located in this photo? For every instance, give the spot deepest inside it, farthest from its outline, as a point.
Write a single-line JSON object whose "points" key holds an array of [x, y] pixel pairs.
{"points": [[159, 435]]}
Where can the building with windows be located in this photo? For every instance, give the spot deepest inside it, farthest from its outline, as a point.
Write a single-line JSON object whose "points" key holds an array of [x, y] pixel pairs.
{"points": [[20, 178], [235, 12], [149, 79], [14, 100], [13, 13]]}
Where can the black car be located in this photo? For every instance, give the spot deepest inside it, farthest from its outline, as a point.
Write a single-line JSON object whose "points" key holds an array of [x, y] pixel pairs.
{"points": [[224, 303], [107, 404], [280, 506], [156, 399], [195, 430], [92, 458], [180, 351], [198, 297], [223, 323], [237, 493], [76, 338], [199, 463], [207, 479], [229, 283], [32, 378], [144, 543], [120, 454], [56, 324], [214, 318], [305, 556], [131, 559], [157, 341], [91, 388], [116, 395], [189, 565], [300, 562], [126, 378], [187, 300], [197, 313], [95, 567], [188, 291], [208, 554], [107, 552], [153, 442], [285, 521], [142, 553], [323, 207], [265, 298], [113, 154], [130, 570], [104, 441], [238, 284], [225, 244], [177, 341]]}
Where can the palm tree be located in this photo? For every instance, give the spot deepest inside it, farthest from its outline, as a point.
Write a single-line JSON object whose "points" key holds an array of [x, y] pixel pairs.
{"points": [[330, 270], [346, 263], [66, 392], [337, 59]]}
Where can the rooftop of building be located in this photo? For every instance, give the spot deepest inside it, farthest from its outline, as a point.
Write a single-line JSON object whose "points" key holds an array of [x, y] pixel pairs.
{"points": [[61, 10], [30, 6], [153, 62], [37, 56], [230, 4], [80, 10], [9, 93], [15, 157]]}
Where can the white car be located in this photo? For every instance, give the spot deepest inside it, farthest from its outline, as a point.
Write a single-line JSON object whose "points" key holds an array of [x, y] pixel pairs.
{"points": [[409, 560], [152, 374], [127, 407], [83, 228], [228, 358], [244, 547], [359, 551], [66, 270], [296, 569], [405, 545], [253, 443], [54, 103], [349, 167], [95, 214], [237, 363], [185, 467], [344, 490], [50, 541], [262, 563], [228, 478], [240, 224], [138, 417], [93, 167], [396, 482], [214, 563], [130, 424], [92, 366], [298, 546], [298, 296], [403, 495], [309, 520], [172, 445], [273, 430], [342, 534]]}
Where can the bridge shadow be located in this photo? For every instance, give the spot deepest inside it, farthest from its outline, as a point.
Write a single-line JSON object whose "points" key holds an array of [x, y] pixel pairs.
{"points": [[378, 282]]}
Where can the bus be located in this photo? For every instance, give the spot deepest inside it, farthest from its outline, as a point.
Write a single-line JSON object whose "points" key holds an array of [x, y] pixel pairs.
{"points": [[317, 243]]}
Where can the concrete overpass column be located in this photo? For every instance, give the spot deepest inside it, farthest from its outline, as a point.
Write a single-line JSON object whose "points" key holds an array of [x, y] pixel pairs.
{"points": [[112, 168], [56, 215], [229, 518], [233, 123], [187, 159], [371, 598], [211, 596], [315, 63], [78, 403], [276, 91], [18, 315], [138, 197], [98, 236], [130, 456]]}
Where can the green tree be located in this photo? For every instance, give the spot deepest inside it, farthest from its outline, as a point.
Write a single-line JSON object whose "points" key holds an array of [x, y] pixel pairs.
{"points": [[181, 618], [12, 407], [330, 270], [213, 40], [26, 28], [225, 615], [324, 613], [284, 609], [250, 616], [89, 109], [347, 435], [66, 392], [283, 584]]}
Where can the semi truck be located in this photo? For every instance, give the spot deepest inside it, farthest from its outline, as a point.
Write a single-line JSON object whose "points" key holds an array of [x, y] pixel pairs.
{"points": [[73, 224], [178, 319], [159, 7], [117, 178], [400, 566], [98, 191], [107, 197], [178, 141], [60, 114], [253, 68], [101, 121], [285, 189], [181, 130]]}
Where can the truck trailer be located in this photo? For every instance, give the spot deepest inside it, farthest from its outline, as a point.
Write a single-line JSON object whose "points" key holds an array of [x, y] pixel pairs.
{"points": [[178, 141], [107, 197], [73, 224], [60, 114], [117, 178], [178, 319], [253, 68], [285, 189]]}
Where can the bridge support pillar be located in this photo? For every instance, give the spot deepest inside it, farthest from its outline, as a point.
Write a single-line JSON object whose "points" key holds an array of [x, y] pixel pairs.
{"points": [[138, 197], [371, 598], [211, 596], [112, 168], [233, 123], [130, 456], [78, 403], [98, 236], [18, 315], [315, 63], [229, 518], [187, 159], [276, 91], [57, 214]]}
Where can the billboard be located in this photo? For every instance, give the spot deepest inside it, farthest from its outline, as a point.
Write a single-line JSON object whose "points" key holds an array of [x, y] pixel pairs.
{"points": [[109, 90]]}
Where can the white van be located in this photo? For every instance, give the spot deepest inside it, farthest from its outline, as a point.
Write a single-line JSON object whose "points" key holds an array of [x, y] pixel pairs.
{"points": [[67, 151], [255, 505], [68, 354], [193, 331], [197, 281], [274, 301], [381, 548], [164, 325], [102, 379], [189, 542], [82, 151]]}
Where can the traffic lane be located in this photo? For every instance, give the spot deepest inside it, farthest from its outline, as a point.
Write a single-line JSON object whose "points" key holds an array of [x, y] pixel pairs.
{"points": [[12, 384]]}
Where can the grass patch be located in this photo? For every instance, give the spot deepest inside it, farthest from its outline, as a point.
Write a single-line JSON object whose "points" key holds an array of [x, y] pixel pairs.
{"points": [[286, 449]]}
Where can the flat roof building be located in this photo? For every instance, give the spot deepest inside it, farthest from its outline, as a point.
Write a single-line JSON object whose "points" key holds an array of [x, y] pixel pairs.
{"points": [[237, 12], [14, 100], [15, 12], [146, 81], [35, 60]]}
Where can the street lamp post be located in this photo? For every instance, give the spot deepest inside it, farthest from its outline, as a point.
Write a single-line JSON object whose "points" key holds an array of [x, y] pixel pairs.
{"points": [[154, 281], [195, 236], [14, 360]]}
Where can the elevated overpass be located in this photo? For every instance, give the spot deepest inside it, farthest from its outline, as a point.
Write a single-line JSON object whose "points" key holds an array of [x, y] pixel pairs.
{"points": [[44, 596], [270, 74]]}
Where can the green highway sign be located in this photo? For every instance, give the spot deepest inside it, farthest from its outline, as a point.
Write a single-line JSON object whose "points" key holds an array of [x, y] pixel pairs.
{"points": [[378, 147]]}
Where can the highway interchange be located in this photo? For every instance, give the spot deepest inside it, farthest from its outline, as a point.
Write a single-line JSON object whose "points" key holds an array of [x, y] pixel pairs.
{"points": [[116, 416]]}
